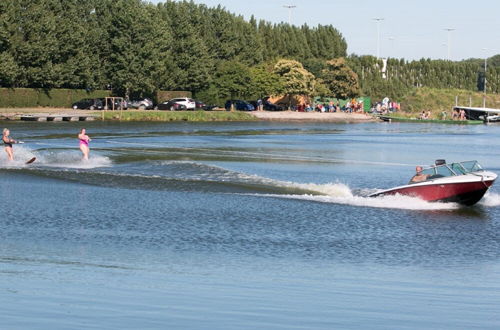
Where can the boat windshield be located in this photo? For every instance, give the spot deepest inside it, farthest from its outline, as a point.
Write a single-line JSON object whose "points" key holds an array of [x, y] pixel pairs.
{"points": [[471, 166], [452, 169]]}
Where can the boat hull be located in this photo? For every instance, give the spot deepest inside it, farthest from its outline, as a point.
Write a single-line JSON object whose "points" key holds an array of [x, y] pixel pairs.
{"points": [[465, 193]]}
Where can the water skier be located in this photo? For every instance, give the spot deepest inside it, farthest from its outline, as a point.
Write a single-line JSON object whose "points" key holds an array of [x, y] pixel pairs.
{"points": [[8, 141], [84, 143]]}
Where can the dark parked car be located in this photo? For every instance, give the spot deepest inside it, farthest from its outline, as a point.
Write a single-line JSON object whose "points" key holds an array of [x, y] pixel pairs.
{"points": [[143, 104], [199, 104], [210, 107], [239, 105], [89, 104], [170, 105], [272, 107]]}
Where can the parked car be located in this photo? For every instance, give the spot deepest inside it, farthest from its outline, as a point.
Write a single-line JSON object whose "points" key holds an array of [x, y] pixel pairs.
{"points": [[189, 103], [210, 107], [143, 104], [89, 104], [170, 105], [199, 104], [239, 105], [269, 106]]}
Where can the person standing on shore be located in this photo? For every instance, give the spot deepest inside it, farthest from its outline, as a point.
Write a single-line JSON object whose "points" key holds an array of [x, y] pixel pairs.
{"points": [[8, 141], [84, 143]]}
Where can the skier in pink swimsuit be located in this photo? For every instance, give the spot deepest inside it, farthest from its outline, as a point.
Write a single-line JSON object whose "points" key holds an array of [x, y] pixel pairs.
{"points": [[84, 144]]}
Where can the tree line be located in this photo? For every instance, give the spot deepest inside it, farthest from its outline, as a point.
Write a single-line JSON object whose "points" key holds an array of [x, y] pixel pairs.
{"points": [[136, 48], [401, 76]]}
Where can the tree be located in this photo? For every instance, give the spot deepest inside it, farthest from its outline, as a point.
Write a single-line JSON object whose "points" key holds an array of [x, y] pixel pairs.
{"points": [[232, 80], [8, 70], [296, 80], [192, 62], [265, 82], [340, 80]]}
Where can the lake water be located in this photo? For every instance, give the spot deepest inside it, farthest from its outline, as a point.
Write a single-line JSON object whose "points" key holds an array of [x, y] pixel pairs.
{"points": [[243, 226]]}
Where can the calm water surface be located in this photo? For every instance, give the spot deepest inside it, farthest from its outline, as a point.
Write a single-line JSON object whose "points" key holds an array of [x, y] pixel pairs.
{"points": [[243, 225]]}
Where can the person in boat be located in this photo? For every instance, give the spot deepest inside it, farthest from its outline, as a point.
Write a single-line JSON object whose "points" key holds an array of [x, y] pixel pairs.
{"points": [[419, 176], [7, 142], [84, 143]]}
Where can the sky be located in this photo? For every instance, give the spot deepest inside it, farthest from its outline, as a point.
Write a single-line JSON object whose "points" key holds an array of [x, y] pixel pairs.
{"points": [[410, 29]]}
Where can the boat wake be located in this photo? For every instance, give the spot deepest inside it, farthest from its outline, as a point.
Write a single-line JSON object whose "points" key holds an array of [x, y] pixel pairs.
{"points": [[201, 177], [490, 200], [338, 193], [73, 159]]}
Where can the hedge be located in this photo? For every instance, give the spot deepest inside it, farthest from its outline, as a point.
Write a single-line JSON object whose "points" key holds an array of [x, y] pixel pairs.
{"points": [[57, 98], [162, 96]]}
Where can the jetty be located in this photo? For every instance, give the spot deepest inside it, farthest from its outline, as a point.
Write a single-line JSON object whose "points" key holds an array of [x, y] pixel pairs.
{"points": [[395, 119], [56, 117]]}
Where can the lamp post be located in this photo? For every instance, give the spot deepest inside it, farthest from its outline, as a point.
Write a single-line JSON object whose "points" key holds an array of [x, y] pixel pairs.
{"points": [[449, 41], [290, 8], [378, 20], [485, 70]]}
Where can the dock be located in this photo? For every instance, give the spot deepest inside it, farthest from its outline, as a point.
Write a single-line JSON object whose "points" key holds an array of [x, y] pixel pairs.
{"points": [[395, 119], [57, 117]]}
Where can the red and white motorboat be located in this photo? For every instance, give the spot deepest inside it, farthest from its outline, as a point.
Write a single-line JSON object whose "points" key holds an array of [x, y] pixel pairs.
{"points": [[464, 183]]}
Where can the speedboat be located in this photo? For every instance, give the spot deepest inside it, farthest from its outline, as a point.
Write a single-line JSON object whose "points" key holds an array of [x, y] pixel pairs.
{"points": [[464, 183]]}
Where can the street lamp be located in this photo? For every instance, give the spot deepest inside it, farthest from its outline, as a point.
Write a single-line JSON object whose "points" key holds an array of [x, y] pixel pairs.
{"points": [[289, 7], [485, 67], [449, 41], [485, 70], [378, 20]]}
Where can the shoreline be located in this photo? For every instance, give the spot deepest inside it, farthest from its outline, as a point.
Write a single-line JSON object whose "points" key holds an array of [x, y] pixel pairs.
{"points": [[168, 116], [333, 117]]}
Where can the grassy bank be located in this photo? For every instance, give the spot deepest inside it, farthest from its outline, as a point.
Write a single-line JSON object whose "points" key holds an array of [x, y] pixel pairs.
{"points": [[199, 116], [439, 100]]}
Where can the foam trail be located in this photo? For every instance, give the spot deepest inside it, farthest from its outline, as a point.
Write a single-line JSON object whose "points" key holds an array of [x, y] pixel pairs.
{"points": [[490, 200], [21, 156], [338, 193], [67, 159], [73, 159]]}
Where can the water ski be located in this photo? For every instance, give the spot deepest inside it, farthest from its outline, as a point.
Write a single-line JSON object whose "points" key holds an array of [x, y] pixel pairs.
{"points": [[31, 160]]}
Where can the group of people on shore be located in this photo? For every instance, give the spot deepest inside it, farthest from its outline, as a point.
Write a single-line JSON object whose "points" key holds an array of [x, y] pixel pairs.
{"points": [[455, 115], [425, 115], [8, 141], [385, 106], [458, 114], [350, 107]]}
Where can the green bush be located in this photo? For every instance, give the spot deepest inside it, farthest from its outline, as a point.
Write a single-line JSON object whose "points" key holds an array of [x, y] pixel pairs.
{"points": [[57, 98]]}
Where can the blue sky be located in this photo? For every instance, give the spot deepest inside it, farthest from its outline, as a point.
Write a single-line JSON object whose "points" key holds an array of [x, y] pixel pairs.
{"points": [[417, 27]]}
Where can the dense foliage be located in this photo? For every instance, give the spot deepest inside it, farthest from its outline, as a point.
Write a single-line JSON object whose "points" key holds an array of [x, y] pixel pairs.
{"points": [[403, 76], [340, 81], [136, 48]]}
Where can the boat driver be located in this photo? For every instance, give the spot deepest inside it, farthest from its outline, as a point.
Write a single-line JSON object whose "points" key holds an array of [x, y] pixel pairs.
{"points": [[419, 176]]}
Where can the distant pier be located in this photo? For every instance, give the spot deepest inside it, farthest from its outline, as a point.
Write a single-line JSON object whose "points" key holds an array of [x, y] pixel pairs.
{"points": [[57, 117]]}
